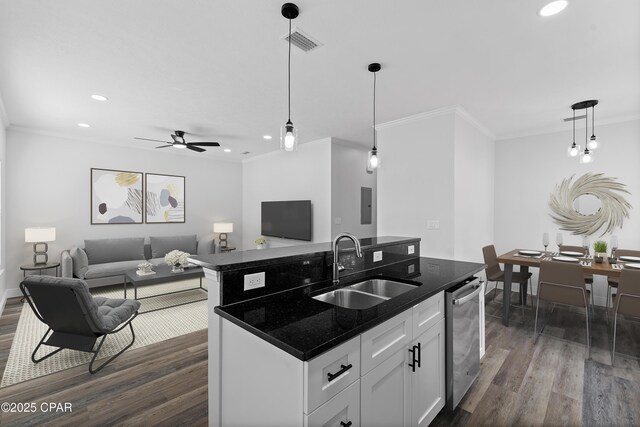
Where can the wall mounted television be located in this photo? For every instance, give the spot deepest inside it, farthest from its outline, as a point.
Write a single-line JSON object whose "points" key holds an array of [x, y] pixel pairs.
{"points": [[289, 219]]}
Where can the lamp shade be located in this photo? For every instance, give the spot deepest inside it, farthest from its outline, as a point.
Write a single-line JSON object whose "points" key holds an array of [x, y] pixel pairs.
{"points": [[223, 227], [39, 234]]}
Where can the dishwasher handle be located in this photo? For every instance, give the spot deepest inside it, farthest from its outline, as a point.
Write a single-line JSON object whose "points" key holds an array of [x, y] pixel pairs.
{"points": [[478, 288]]}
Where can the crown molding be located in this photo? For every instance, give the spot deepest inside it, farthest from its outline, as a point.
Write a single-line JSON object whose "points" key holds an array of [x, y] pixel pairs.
{"points": [[450, 109], [564, 128]]}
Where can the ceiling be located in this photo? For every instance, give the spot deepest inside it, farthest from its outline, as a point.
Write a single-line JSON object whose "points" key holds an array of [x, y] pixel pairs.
{"points": [[217, 68]]}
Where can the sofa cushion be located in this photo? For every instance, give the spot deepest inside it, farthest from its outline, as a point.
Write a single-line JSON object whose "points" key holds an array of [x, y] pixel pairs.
{"points": [[162, 245], [107, 269], [100, 251], [80, 261], [205, 245]]}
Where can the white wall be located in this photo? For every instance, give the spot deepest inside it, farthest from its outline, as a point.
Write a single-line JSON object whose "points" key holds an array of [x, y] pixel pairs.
{"points": [[529, 168], [49, 185], [3, 198], [416, 181], [473, 190], [304, 174], [348, 175]]}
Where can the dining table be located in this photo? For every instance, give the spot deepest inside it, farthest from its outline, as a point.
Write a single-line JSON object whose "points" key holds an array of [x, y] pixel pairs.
{"points": [[524, 259]]}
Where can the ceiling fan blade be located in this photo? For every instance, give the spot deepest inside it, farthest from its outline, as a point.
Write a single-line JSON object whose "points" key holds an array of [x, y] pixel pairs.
{"points": [[154, 140], [165, 146], [205, 144], [198, 149]]}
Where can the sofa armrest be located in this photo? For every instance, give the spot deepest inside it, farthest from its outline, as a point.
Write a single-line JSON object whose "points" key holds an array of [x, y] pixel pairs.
{"points": [[66, 264]]}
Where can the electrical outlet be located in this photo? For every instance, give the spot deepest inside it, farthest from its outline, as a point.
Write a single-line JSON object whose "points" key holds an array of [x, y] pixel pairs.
{"points": [[338, 220], [377, 256], [411, 269], [411, 249], [253, 281], [433, 224]]}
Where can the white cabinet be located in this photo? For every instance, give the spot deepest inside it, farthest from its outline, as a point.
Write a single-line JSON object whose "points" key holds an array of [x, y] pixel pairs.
{"points": [[342, 410], [428, 393], [481, 321], [387, 338], [385, 391]]}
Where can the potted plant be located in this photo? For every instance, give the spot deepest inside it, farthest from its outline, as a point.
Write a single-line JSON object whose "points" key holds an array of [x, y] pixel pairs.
{"points": [[600, 250], [261, 243]]}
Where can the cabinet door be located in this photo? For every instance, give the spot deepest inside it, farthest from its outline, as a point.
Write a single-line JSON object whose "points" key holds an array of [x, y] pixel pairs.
{"points": [[428, 381], [385, 393], [384, 340], [341, 410], [481, 321]]}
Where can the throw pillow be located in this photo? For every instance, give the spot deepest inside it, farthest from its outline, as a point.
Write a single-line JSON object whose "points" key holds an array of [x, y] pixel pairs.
{"points": [[80, 261]]}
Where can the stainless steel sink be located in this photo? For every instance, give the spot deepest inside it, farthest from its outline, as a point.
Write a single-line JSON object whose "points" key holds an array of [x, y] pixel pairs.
{"points": [[382, 287], [365, 294], [351, 298]]}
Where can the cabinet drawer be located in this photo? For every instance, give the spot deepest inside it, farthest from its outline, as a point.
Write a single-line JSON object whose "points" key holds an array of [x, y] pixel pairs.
{"points": [[428, 313], [331, 372], [379, 343], [340, 410]]}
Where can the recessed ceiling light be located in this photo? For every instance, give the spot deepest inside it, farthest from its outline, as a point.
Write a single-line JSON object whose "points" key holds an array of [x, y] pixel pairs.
{"points": [[84, 125], [553, 8], [99, 97], [267, 137], [227, 150]]}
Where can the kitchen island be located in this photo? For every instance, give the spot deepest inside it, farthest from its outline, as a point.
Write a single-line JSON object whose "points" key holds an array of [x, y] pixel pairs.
{"points": [[286, 358]]}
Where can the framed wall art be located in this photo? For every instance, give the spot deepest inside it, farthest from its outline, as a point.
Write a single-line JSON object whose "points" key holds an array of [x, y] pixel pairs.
{"points": [[165, 198], [116, 197]]}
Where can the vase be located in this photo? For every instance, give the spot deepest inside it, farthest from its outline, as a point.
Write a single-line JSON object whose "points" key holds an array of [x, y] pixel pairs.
{"points": [[261, 246], [177, 268]]}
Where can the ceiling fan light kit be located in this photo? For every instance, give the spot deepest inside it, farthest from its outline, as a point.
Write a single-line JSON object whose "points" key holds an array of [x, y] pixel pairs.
{"points": [[180, 143], [288, 133]]}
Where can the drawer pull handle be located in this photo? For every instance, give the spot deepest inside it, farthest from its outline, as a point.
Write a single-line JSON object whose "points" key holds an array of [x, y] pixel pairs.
{"points": [[414, 362], [419, 354], [347, 424], [344, 369]]}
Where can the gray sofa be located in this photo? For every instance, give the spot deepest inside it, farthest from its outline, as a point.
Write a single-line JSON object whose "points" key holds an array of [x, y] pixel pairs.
{"points": [[104, 261]]}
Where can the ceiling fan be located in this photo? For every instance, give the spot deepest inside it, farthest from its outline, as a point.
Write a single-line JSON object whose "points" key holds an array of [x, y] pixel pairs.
{"points": [[179, 142]]}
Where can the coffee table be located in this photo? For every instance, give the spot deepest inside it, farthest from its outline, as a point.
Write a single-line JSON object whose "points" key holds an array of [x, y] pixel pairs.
{"points": [[163, 275]]}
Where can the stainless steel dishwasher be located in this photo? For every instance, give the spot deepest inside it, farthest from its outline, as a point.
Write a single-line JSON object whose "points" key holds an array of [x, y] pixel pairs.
{"points": [[463, 338]]}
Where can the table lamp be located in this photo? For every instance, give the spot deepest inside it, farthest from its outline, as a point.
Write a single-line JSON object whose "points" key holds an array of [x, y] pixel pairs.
{"points": [[223, 228], [40, 236]]}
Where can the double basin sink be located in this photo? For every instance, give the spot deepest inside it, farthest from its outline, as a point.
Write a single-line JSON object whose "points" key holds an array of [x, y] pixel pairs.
{"points": [[365, 294]]}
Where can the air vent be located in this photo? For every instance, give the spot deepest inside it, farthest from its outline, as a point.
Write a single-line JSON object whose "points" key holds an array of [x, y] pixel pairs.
{"points": [[301, 40], [570, 119]]}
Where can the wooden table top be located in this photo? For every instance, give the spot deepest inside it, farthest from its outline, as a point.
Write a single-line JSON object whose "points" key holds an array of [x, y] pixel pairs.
{"points": [[604, 268]]}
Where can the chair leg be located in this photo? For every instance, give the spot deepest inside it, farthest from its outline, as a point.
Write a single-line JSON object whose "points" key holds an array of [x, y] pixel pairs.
{"points": [[95, 354], [33, 355], [535, 323], [606, 309], [588, 332], [613, 348]]}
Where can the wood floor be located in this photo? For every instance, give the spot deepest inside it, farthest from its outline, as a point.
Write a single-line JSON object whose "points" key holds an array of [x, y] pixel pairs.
{"points": [[521, 383], [551, 382], [163, 384]]}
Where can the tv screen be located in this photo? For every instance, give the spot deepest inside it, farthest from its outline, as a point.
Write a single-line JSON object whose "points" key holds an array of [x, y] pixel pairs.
{"points": [[287, 219]]}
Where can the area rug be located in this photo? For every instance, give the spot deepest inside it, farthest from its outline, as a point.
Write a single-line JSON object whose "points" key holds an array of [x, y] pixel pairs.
{"points": [[149, 328]]}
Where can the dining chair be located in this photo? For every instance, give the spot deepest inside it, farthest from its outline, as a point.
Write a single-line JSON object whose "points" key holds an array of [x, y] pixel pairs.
{"points": [[626, 301], [612, 282], [563, 283], [495, 274], [588, 278]]}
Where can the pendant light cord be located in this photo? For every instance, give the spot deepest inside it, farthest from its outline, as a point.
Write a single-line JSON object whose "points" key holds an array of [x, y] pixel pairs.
{"points": [[289, 72], [586, 130], [574, 127], [593, 115], [374, 111]]}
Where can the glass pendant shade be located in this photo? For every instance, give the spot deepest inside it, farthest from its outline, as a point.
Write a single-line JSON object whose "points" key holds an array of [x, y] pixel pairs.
{"points": [[288, 137], [573, 150], [373, 161], [586, 156], [593, 142]]}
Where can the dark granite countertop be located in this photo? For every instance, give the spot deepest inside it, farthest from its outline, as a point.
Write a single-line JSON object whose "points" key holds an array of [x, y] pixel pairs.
{"points": [[304, 327], [250, 258]]}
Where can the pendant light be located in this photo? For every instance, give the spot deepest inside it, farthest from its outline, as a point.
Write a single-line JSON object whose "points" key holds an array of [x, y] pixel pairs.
{"points": [[593, 141], [574, 149], [288, 133], [373, 160], [586, 156]]}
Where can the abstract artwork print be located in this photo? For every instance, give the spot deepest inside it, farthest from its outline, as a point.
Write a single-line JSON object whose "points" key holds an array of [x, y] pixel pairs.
{"points": [[165, 201], [116, 197]]}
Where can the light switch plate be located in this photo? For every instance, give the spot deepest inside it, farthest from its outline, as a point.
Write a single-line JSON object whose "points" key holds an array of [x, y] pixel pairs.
{"points": [[433, 224], [254, 281], [377, 256], [411, 249]]}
